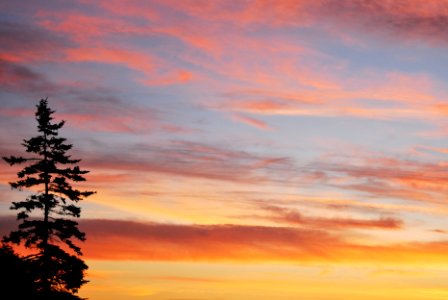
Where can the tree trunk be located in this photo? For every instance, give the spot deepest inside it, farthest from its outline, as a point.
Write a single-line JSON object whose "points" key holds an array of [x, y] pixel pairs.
{"points": [[46, 254]]}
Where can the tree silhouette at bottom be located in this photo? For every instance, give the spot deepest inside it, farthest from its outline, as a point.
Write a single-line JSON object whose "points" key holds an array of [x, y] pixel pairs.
{"points": [[49, 173], [16, 276]]}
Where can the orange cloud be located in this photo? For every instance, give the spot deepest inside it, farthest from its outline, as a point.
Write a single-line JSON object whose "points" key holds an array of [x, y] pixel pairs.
{"points": [[196, 242], [441, 108], [187, 279], [129, 240], [132, 240]]}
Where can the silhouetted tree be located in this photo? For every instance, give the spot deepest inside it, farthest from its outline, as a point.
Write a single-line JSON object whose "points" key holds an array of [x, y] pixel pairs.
{"points": [[48, 216], [16, 280]]}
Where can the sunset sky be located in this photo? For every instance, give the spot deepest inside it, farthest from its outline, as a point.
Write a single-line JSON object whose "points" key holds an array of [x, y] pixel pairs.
{"points": [[243, 150]]}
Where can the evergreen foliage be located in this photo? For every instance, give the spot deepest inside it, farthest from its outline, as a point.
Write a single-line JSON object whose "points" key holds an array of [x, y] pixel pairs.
{"points": [[48, 215], [16, 280]]}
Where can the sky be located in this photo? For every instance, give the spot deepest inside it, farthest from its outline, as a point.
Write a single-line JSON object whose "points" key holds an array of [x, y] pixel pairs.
{"points": [[243, 149]]}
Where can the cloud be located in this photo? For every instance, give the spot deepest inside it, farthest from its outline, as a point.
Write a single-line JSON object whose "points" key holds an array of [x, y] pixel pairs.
{"points": [[406, 19], [106, 112], [385, 177], [431, 149], [65, 37], [175, 77], [20, 42], [124, 240], [317, 84], [130, 59], [131, 240], [94, 32], [376, 96], [152, 241], [291, 216], [415, 20], [110, 114], [250, 121], [187, 279], [86, 28], [197, 160], [16, 77]]}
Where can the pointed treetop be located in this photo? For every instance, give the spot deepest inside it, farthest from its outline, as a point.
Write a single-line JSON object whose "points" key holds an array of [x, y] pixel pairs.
{"points": [[44, 118]]}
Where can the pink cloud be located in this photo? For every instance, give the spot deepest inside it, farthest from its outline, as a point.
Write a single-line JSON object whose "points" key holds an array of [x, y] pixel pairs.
{"points": [[407, 19], [197, 160], [250, 121], [386, 177], [432, 149], [396, 95], [255, 60], [177, 77], [133, 60], [290, 216]]}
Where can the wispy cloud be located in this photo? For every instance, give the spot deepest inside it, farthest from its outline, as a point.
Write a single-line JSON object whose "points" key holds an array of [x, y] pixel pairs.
{"points": [[17, 77], [386, 177], [294, 217], [200, 160], [250, 121], [26, 42]]}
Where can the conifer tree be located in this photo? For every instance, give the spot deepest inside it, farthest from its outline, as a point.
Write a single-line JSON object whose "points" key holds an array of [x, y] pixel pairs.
{"points": [[47, 216]]}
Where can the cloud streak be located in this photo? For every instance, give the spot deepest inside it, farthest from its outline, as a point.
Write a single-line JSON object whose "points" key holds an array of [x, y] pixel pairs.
{"points": [[313, 88], [409, 20], [294, 217], [197, 160], [130, 240], [386, 177]]}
